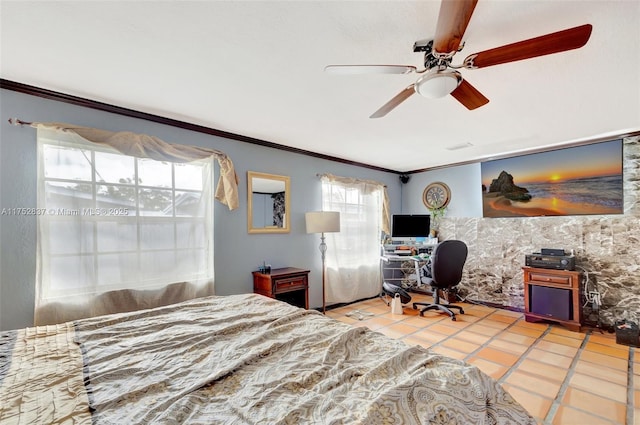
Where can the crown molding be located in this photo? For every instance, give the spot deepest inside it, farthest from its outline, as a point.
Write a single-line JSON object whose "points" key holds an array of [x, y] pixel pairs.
{"points": [[101, 106]]}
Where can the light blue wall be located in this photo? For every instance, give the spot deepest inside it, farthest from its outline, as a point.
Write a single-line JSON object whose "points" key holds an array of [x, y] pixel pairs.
{"points": [[236, 252], [464, 182]]}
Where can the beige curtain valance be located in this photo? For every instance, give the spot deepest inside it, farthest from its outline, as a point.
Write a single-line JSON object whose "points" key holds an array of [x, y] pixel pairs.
{"points": [[145, 146], [370, 186]]}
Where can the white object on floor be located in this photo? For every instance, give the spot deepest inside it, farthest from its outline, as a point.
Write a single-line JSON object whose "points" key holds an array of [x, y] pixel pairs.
{"points": [[396, 305], [358, 314]]}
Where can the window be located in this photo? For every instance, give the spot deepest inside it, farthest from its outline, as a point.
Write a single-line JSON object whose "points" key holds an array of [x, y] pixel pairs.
{"points": [[353, 256], [110, 221], [360, 223]]}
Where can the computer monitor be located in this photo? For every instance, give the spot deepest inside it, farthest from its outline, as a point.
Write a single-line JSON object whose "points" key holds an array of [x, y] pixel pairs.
{"points": [[407, 227]]}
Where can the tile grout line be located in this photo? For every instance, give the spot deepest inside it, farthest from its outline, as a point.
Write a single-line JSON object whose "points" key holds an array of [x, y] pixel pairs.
{"points": [[486, 344], [450, 336], [447, 337], [439, 343], [481, 346], [522, 357], [557, 401]]}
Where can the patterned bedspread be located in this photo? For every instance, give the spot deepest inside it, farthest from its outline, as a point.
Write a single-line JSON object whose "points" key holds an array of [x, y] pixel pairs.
{"points": [[241, 359]]}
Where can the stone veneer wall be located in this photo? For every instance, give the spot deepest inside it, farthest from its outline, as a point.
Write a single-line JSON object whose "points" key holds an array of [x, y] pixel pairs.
{"points": [[606, 246]]}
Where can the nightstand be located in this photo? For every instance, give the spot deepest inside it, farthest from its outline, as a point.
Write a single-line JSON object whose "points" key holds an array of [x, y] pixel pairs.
{"points": [[287, 284]]}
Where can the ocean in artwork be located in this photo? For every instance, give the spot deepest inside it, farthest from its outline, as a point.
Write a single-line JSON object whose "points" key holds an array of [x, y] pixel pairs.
{"points": [[604, 191]]}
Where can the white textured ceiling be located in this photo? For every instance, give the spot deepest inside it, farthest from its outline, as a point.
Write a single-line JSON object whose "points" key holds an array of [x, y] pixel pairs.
{"points": [[256, 69]]}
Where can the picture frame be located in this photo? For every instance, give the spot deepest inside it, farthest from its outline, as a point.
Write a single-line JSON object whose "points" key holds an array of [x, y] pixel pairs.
{"points": [[578, 180]]}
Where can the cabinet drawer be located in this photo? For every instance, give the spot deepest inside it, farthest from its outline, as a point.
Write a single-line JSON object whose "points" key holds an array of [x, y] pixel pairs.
{"points": [[290, 284], [550, 278]]}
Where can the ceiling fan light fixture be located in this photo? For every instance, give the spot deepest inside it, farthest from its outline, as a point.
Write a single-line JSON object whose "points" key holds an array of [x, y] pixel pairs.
{"points": [[438, 83]]}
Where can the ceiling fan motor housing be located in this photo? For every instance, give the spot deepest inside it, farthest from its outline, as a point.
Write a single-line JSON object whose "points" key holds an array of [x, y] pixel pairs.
{"points": [[426, 46]]}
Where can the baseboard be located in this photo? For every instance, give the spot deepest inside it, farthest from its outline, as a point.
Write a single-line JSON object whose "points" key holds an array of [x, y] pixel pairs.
{"points": [[494, 305]]}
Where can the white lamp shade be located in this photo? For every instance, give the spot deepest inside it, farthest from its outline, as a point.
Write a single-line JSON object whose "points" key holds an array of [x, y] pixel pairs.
{"points": [[322, 221], [438, 84]]}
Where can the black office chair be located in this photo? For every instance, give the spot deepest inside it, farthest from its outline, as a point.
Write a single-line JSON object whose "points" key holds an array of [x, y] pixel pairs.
{"points": [[447, 262], [391, 290]]}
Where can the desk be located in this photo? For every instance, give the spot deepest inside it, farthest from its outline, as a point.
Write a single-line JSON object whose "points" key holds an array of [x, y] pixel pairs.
{"points": [[287, 284], [403, 271]]}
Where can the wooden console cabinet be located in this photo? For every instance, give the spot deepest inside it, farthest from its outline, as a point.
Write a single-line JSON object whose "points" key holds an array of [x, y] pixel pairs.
{"points": [[287, 284], [553, 295]]}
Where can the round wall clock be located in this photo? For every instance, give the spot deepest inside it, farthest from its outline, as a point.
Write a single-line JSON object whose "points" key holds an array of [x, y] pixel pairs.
{"points": [[436, 195]]}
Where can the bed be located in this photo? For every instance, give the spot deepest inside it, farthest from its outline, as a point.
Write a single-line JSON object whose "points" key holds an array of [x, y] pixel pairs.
{"points": [[240, 359]]}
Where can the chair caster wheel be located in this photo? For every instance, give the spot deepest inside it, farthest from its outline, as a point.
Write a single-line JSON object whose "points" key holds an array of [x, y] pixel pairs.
{"points": [[453, 318], [461, 311]]}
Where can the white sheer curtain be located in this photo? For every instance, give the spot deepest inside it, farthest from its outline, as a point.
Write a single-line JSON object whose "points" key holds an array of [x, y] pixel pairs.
{"points": [[118, 232], [353, 257]]}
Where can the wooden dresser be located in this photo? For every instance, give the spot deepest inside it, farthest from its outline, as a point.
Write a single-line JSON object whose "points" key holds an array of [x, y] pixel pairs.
{"points": [[287, 284], [553, 295]]}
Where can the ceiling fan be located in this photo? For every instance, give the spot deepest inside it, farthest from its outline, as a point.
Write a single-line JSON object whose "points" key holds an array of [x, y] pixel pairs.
{"points": [[440, 77]]}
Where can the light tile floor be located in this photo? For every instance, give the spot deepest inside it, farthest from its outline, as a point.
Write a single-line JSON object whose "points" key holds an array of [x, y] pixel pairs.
{"points": [[561, 377]]}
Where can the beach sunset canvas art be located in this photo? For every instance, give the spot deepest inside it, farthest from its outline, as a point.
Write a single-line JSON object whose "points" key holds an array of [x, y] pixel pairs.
{"points": [[571, 181]]}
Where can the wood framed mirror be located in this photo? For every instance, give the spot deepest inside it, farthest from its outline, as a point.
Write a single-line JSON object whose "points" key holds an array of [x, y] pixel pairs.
{"points": [[268, 200]]}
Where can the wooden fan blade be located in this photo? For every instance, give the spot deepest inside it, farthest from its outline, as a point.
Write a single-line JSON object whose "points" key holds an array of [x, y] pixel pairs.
{"points": [[469, 96], [397, 99], [369, 69], [452, 23], [569, 39]]}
